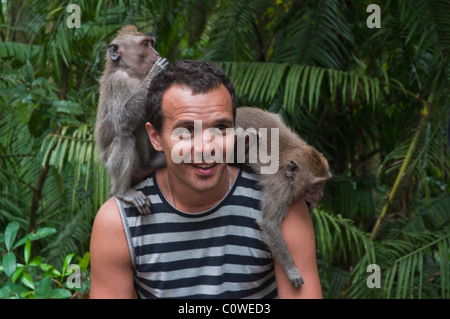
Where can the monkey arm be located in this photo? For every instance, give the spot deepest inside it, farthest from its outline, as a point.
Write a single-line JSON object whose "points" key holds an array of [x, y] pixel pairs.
{"points": [[299, 235], [134, 109]]}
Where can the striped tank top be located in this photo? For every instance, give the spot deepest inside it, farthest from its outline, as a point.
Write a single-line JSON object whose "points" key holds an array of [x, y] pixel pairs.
{"points": [[215, 254]]}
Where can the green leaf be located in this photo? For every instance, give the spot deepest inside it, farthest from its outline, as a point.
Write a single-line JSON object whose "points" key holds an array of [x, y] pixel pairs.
{"points": [[27, 251], [50, 270], [27, 294], [68, 107], [313, 76], [38, 123], [60, 293], [12, 291], [36, 261], [43, 289], [27, 280], [291, 90], [29, 72], [40, 233], [10, 234], [84, 262], [17, 274], [67, 261], [9, 263], [5, 292]]}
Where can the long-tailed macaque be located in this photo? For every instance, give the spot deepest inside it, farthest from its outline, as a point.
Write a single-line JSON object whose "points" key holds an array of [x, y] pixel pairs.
{"points": [[302, 173], [120, 133]]}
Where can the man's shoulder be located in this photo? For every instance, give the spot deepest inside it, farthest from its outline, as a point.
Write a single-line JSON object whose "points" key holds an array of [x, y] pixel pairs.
{"points": [[108, 215]]}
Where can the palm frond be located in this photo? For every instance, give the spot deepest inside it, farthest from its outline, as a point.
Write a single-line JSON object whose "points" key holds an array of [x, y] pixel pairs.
{"points": [[338, 236], [300, 84], [75, 148], [71, 237], [317, 35], [429, 157], [239, 40], [19, 51], [425, 20], [406, 276], [430, 216], [409, 268]]}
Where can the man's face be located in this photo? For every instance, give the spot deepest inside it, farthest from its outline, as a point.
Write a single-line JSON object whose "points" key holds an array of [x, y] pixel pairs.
{"points": [[213, 110]]}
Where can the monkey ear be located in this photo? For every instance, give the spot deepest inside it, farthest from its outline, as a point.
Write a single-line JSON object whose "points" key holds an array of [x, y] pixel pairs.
{"points": [[113, 51], [292, 169]]}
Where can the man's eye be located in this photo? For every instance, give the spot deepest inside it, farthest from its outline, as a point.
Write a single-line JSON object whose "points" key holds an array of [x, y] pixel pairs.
{"points": [[221, 127], [181, 133], [188, 130]]}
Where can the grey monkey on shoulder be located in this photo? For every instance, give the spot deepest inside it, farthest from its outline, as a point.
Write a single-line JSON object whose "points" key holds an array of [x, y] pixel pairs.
{"points": [[302, 173], [120, 134]]}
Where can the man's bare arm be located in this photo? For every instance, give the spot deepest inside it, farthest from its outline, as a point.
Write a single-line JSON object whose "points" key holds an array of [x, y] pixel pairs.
{"points": [[299, 235], [111, 269]]}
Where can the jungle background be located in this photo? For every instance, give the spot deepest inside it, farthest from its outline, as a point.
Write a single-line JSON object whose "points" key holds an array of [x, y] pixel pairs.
{"points": [[374, 101]]}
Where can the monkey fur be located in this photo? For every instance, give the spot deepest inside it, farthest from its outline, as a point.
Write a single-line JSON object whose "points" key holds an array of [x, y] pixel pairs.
{"points": [[302, 173], [120, 134]]}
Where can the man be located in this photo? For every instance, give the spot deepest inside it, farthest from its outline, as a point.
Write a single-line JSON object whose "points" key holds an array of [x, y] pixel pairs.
{"points": [[201, 240]]}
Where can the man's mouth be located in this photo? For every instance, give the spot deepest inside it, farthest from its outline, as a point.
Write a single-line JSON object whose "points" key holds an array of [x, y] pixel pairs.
{"points": [[204, 166]]}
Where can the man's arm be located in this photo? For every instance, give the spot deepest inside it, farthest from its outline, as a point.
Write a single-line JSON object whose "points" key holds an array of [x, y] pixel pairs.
{"points": [[299, 234], [111, 269]]}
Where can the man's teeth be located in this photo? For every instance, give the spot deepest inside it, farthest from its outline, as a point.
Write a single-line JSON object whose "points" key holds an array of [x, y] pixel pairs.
{"points": [[204, 165]]}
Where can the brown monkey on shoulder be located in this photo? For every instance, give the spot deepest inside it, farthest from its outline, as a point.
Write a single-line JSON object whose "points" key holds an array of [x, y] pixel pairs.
{"points": [[301, 173], [120, 134]]}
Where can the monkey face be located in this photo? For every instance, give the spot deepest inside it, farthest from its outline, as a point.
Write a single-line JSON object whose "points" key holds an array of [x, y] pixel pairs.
{"points": [[314, 192], [304, 182], [147, 54], [134, 53]]}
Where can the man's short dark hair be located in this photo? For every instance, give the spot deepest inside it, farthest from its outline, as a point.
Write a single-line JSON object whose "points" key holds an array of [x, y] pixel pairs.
{"points": [[200, 76]]}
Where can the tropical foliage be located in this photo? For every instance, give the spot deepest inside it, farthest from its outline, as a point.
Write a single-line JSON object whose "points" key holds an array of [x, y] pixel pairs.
{"points": [[374, 101]]}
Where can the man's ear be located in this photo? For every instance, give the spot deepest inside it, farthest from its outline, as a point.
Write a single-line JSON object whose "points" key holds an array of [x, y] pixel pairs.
{"points": [[154, 137]]}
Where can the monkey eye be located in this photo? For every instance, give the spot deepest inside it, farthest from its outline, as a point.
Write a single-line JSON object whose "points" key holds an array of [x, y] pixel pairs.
{"points": [[148, 43], [317, 185]]}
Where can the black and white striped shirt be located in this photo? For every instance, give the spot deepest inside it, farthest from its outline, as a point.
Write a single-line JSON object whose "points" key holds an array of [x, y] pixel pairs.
{"points": [[215, 254]]}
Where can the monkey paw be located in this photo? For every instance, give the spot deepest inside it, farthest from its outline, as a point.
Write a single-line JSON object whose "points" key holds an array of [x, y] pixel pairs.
{"points": [[137, 199], [160, 64], [295, 278]]}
